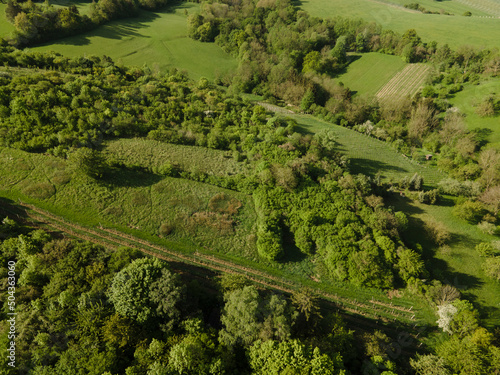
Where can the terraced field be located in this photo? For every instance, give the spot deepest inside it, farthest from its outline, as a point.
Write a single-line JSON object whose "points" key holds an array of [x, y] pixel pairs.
{"points": [[404, 83]]}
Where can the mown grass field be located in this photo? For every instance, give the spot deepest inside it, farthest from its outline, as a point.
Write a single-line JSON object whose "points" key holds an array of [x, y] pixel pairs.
{"points": [[467, 101], [370, 71], [454, 30], [157, 39], [455, 7]]}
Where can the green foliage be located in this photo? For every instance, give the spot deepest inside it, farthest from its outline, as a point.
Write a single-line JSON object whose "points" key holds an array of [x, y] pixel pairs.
{"points": [[246, 317], [88, 162], [145, 290], [290, 357], [470, 211]]}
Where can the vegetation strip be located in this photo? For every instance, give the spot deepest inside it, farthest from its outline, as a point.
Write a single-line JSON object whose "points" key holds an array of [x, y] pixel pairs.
{"points": [[214, 263]]}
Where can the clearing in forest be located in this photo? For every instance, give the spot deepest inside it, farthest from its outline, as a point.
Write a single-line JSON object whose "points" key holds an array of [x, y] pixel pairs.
{"points": [[404, 83]]}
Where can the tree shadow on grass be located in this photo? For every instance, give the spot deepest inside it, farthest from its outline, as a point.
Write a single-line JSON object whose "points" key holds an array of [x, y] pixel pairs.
{"points": [[117, 29], [371, 167], [127, 177]]}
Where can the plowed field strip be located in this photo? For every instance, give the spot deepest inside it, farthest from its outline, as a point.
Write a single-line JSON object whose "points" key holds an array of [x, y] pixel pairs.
{"points": [[406, 82]]}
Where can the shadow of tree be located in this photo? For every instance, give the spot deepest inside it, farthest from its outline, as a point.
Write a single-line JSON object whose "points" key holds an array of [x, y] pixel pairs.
{"points": [[371, 167], [127, 177]]}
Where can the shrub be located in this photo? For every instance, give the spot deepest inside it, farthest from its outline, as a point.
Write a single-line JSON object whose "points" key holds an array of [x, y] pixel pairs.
{"points": [[438, 232], [470, 211], [487, 228], [166, 229], [485, 249], [492, 267]]}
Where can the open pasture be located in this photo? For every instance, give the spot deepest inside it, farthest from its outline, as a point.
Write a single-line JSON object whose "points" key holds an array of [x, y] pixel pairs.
{"points": [[454, 30], [369, 72], [467, 101], [157, 39], [405, 83]]}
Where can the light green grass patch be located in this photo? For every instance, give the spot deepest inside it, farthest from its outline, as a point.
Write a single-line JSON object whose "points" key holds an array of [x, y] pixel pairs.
{"points": [[370, 72], [467, 100], [155, 39], [455, 7], [136, 200], [149, 154], [369, 155], [453, 30], [459, 264], [5, 26]]}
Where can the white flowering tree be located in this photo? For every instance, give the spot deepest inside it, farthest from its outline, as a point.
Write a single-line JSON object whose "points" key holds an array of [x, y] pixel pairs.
{"points": [[446, 312]]}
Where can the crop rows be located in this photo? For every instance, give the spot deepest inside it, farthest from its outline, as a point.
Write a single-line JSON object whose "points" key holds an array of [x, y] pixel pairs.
{"points": [[486, 6], [404, 83], [113, 238]]}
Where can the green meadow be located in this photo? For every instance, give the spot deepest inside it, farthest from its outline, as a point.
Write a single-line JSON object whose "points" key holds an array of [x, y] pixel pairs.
{"points": [[467, 101], [153, 154], [454, 30], [369, 155], [456, 8], [369, 72], [456, 263], [158, 39], [5, 27]]}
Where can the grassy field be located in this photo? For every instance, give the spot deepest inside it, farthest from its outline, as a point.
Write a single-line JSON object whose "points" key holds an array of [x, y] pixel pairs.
{"points": [[467, 101], [83, 5], [455, 7], [370, 71], [457, 264], [136, 203], [454, 30], [156, 39], [369, 155], [405, 82], [149, 154], [5, 27], [136, 200]]}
